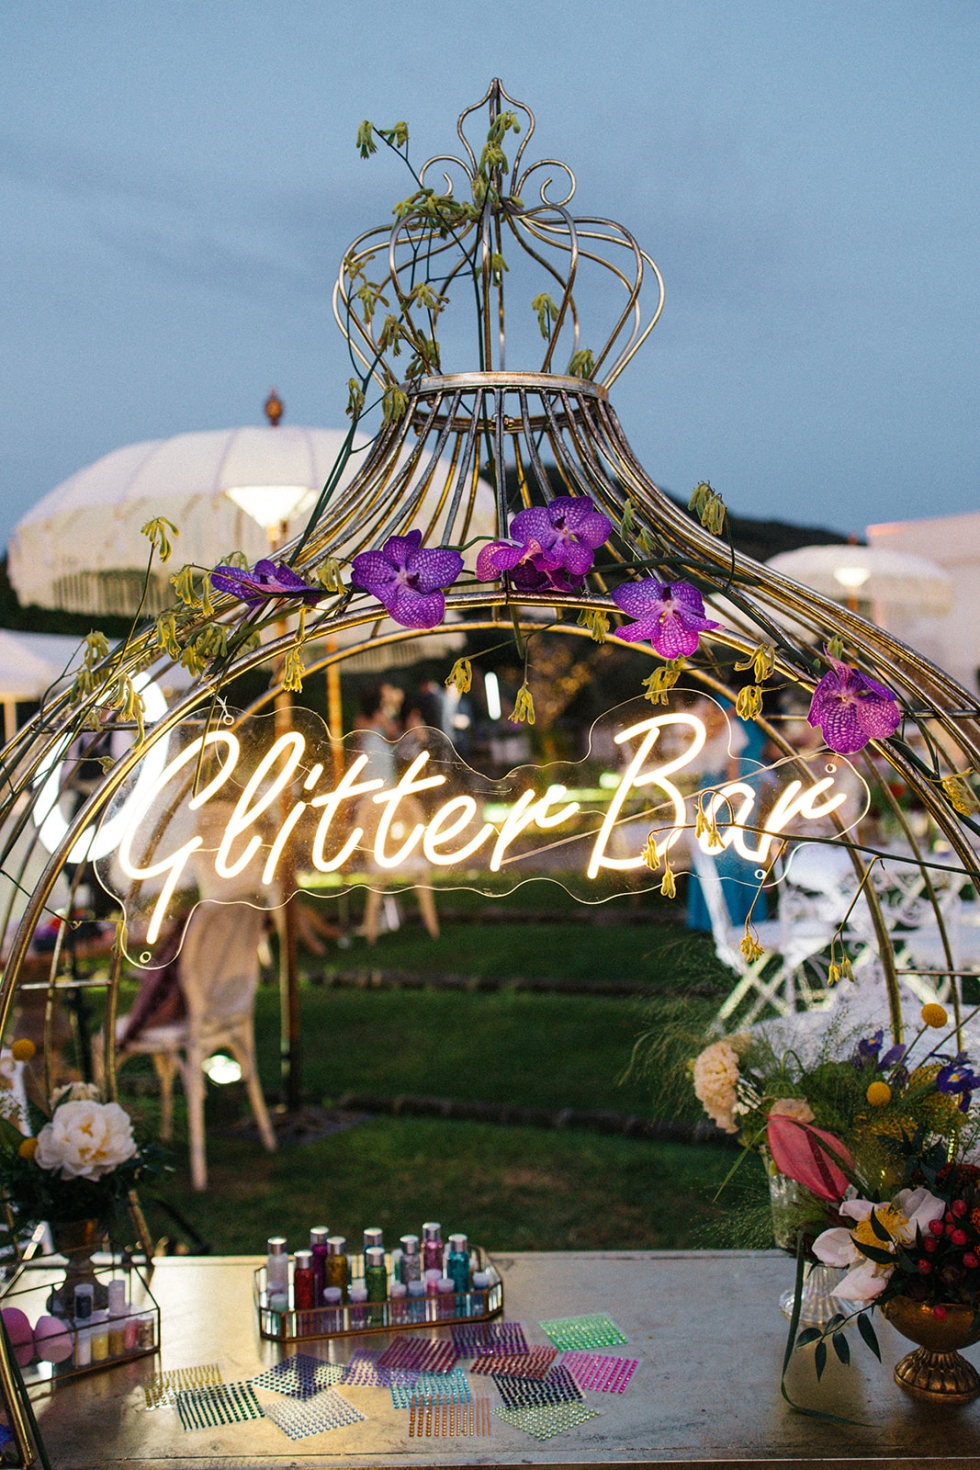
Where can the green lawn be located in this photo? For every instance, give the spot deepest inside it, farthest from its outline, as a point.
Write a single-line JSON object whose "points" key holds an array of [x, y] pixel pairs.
{"points": [[509, 1188]]}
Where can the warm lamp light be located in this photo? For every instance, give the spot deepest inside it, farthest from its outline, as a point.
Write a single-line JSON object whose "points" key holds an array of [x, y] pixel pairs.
{"points": [[852, 577], [270, 505]]}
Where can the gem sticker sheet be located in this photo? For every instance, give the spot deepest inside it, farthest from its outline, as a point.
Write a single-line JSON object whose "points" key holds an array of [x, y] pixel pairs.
{"points": [[448, 1419], [544, 1421], [299, 1418], [581, 1333], [478, 1339], [599, 1373], [159, 1390], [427, 1357], [301, 1375], [558, 1387], [447, 1386], [220, 1403], [365, 1371], [535, 1363]]}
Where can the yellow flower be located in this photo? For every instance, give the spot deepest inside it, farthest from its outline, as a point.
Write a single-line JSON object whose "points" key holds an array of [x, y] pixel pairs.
{"points": [[658, 684], [28, 1148], [23, 1050], [461, 676], [878, 1094], [751, 948], [748, 702], [961, 795], [934, 1015], [523, 706]]}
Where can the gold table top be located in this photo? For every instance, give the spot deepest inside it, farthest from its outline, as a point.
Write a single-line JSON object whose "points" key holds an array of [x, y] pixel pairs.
{"points": [[706, 1326]]}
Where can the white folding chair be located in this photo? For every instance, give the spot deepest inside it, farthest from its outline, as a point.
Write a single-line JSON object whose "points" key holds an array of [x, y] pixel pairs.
{"points": [[791, 945], [219, 975]]}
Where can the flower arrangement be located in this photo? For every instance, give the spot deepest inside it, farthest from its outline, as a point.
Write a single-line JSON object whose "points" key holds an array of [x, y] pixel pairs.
{"points": [[876, 1144], [80, 1164]]}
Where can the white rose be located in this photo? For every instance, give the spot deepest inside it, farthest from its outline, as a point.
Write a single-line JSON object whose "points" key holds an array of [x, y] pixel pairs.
{"points": [[86, 1140]]}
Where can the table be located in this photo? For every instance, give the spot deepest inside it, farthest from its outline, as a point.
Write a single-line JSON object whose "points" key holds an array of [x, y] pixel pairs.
{"points": [[706, 1325]]}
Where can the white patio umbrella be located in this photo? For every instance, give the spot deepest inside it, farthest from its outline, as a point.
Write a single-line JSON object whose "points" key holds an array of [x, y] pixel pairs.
{"points": [[80, 548], [29, 664], [871, 574]]}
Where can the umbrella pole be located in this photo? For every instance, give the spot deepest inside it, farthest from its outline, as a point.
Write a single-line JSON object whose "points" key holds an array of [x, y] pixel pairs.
{"points": [[289, 1035]]}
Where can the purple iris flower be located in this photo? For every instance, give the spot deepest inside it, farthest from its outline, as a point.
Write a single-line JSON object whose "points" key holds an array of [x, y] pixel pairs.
{"points": [[670, 614], [265, 580], [407, 578], [957, 1076], [550, 546], [869, 1051], [852, 709]]}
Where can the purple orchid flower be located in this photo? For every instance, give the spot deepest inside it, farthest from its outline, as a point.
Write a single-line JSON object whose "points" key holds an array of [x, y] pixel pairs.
{"points": [[407, 578], [551, 546], [669, 614], [957, 1077], [265, 580], [852, 709]]}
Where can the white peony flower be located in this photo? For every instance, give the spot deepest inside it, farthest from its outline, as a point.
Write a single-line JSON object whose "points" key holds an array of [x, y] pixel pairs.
{"points": [[715, 1075], [85, 1140], [793, 1107], [867, 1279]]}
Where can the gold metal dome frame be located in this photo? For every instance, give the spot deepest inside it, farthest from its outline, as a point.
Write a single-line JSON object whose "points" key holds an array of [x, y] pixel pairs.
{"points": [[549, 429]]}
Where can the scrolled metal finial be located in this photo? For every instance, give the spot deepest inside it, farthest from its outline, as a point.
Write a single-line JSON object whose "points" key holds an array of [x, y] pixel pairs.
{"points": [[478, 236]]}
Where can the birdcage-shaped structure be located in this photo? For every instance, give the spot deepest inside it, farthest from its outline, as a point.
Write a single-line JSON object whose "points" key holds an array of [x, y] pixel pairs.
{"points": [[492, 239]]}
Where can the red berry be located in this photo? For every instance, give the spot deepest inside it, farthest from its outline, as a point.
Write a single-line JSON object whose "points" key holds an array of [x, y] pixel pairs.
{"points": [[925, 1266], [936, 1226], [950, 1228], [970, 1261], [950, 1218], [959, 1208], [939, 1313], [958, 1237], [930, 1243]]}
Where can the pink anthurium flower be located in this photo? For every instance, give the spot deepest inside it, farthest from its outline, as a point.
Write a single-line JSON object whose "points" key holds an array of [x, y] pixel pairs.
{"points": [[808, 1155]]}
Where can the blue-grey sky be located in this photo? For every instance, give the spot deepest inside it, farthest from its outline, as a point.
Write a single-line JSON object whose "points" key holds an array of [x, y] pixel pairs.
{"points": [[178, 182]]}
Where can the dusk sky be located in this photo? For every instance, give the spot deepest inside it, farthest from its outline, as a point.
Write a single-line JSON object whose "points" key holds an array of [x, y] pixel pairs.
{"points": [[179, 182]]}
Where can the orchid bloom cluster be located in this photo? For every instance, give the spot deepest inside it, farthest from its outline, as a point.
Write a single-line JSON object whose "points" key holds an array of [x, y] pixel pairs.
{"points": [[549, 548], [552, 548]]}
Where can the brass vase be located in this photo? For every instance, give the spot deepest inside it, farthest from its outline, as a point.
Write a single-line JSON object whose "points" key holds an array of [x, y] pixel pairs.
{"points": [[935, 1372], [77, 1241]]}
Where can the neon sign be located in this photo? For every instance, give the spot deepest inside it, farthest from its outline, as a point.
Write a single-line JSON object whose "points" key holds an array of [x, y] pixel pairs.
{"points": [[245, 813]]}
